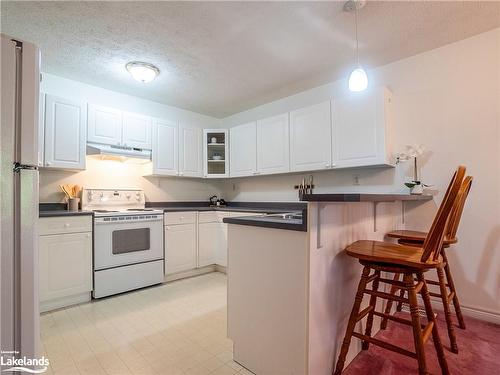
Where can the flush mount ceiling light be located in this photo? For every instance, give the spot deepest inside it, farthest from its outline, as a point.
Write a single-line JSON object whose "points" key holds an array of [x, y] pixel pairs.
{"points": [[358, 80], [141, 71]]}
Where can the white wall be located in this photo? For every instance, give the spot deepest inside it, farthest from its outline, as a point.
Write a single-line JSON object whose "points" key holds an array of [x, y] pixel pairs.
{"points": [[114, 174], [449, 100], [55, 85], [102, 174]]}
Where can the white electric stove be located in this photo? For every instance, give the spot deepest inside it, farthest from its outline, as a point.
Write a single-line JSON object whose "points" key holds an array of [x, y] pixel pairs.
{"points": [[128, 240]]}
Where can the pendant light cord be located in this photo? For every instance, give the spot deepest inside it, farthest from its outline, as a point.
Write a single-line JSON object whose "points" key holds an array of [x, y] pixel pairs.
{"points": [[356, 24]]}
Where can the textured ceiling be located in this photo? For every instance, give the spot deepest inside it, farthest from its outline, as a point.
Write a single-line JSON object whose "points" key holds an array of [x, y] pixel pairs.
{"points": [[219, 58]]}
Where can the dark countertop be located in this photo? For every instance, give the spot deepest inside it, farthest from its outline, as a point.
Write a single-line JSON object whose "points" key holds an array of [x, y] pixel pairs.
{"points": [[59, 209], [259, 207], [53, 213], [271, 222], [226, 209], [364, 197]]}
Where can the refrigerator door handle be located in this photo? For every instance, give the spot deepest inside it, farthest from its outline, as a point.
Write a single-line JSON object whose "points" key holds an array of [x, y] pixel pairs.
{"points": [[18, 167]]}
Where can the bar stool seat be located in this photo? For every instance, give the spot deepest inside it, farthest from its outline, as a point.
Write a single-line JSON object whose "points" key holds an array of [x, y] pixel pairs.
{"points": [[416, 236], [395, 254]]}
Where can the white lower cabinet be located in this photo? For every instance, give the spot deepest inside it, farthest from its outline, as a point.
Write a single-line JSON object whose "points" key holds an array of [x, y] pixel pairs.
{"points": [[196, 240], [180, 248], [212, 241], [65, 263]]}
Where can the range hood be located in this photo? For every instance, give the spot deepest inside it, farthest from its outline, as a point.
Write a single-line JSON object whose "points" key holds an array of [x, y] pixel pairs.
{"points": [[117, 151]]}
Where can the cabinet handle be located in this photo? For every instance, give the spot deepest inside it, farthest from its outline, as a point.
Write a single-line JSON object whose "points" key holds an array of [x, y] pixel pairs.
{"points": [[327, 166], [181, 173], [48, 163], [66, 225], [167, 228], [87, 236]]}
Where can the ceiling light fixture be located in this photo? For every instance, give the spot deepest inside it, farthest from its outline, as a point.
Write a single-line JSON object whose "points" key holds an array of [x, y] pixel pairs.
{"points": [[358, 80], [142, 72]]}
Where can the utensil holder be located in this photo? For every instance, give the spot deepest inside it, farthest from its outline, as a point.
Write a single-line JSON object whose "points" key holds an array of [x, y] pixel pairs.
{"points": [[73, 204]]}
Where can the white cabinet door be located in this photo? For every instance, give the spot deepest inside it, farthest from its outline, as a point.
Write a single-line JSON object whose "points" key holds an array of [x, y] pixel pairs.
{"points": [[180, 248], [221, 250], [65, 125], [243, 150], [65, 265], [136, 131], [105, 125], [360, 123], [211, 237], [165, 141], [190, 152], [273, 141], [310, 138]]}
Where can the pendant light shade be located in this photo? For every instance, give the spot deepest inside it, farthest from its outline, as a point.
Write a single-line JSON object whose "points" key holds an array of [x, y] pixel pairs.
{"points": [[358, 80]]}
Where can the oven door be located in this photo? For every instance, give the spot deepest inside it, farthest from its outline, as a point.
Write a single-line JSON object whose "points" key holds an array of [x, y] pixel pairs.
{"points": [[133, 240]]}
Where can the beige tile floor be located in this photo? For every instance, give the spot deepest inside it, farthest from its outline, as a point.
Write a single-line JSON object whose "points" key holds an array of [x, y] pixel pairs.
{"points": [[175, 328]]}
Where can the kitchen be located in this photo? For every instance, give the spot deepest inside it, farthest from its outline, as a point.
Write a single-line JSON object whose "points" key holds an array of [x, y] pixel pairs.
{"points": [[206, 205]]}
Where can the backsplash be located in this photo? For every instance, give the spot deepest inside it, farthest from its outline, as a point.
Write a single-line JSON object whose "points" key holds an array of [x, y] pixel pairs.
{"points": [[113, 174]]}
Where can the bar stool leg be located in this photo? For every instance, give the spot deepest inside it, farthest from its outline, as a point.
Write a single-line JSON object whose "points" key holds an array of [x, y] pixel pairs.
{"points": [[352, 321], [388, 306], [451, 285], [435, 334], [373, 302], [417, 328], [447, 312]]}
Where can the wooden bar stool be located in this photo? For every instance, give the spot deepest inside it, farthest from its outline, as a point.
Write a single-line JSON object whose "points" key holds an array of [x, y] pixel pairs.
{"points": [[445, 278], [411, 262]]}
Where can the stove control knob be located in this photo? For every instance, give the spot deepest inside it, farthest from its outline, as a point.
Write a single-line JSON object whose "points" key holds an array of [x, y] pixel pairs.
{"points": [[127, 195]]}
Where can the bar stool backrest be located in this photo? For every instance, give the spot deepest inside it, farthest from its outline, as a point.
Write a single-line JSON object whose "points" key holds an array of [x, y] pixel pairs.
{"points": [[434, 240], [456, 213]]}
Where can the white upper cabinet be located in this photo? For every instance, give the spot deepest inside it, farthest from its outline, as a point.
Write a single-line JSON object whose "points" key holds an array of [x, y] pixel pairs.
{"points": [[215, 153], [165, 151], [310, 138], [104, 125], [136, 131], [65, 124], [273, 145], [243, 150], [360, 128], [190, 152]]}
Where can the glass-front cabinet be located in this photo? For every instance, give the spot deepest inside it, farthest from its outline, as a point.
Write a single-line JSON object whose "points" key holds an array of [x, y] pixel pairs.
{"points": [[216, 153]]}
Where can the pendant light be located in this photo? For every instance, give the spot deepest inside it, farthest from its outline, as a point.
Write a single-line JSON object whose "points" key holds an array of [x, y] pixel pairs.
{"points": [[358, 80]]}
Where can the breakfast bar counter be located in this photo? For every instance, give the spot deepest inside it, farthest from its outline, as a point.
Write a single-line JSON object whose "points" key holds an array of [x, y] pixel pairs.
{"points": [[290, 292]]}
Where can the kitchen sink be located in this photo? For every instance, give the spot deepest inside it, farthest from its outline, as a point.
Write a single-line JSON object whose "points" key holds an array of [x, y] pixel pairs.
{"points": [[287, 216]]}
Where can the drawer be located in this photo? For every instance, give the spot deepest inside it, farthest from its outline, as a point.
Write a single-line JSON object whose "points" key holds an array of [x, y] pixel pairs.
{"points": [[184, 217], [64, 224], [212, 216]]}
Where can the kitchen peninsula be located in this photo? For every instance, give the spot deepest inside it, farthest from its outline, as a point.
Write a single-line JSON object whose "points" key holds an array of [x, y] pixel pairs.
{"points": [[290, 291]]}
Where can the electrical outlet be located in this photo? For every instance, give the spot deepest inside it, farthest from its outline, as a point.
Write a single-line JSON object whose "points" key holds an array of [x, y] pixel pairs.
{"points": [[355, 179]]}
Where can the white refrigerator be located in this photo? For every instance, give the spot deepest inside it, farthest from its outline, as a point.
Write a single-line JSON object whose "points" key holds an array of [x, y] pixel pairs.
{"points": [[19, 315]]}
